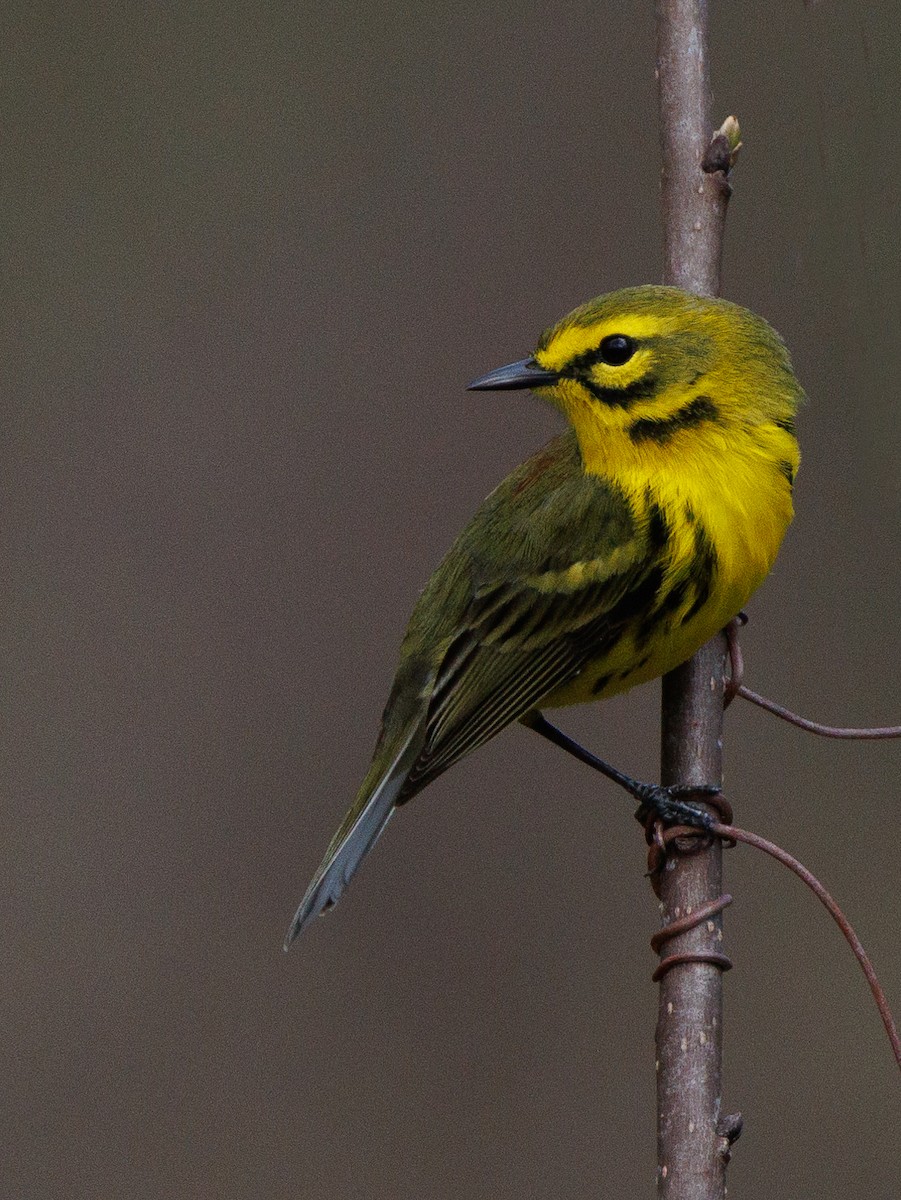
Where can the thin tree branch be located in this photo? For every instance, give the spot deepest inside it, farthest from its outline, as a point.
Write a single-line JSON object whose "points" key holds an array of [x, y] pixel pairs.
{"points": [[808, 877], [873, 734], [690, 1143], [662, 838], [735, 686]]}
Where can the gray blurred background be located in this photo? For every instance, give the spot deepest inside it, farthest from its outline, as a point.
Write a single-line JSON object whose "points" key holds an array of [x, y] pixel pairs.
{"points": [[252, 255]]}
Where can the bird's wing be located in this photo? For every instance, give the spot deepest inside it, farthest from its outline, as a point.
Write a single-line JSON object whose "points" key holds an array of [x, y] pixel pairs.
{"points": [[551, 570], [520, 643]]}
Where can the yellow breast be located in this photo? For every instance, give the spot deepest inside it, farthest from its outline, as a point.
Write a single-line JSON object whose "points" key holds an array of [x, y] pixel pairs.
{"points": [[726, 507]]}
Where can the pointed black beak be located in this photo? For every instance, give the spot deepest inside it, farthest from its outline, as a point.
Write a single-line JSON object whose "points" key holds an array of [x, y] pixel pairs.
{"points": [[523, 374]]}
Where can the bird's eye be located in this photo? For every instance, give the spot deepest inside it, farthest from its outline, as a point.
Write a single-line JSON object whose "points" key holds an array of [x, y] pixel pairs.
{"points": [[617, 349]]}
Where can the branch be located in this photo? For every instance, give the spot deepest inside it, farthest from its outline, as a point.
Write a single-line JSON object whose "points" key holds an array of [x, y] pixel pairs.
{"points": [[660, 839], [875, 733], [692, 1145], [806, 876], [735, 686]]}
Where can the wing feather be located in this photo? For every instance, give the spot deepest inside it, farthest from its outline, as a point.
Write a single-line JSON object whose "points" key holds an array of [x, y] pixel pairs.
{"points": [[516, 647], [551, 570]]}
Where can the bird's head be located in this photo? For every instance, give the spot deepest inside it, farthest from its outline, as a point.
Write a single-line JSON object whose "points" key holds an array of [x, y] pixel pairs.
{"points": [[653, 364]]}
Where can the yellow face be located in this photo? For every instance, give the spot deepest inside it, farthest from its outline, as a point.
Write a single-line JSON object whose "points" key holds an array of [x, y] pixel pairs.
{"points": [[566, 343], [650, 357]]}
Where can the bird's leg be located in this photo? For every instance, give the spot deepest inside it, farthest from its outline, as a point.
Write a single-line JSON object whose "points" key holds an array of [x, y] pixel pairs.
{"points": [[653, 798]]}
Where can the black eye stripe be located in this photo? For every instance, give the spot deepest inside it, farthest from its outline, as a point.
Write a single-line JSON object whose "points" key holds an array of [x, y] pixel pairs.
{"points": [[613, 350]]}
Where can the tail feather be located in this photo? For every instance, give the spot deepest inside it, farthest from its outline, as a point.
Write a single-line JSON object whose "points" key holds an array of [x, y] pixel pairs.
{"points": [[359, 832]]}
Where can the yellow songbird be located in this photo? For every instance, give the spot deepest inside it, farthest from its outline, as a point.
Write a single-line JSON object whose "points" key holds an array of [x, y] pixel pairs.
{"points": [[604, 560]]}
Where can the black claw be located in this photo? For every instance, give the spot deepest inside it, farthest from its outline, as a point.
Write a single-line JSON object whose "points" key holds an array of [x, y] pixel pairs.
{"points": [[664, 804], [692, 789]]}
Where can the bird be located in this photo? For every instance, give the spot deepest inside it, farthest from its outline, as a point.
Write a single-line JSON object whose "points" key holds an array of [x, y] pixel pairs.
{"points": [[605, 559]]}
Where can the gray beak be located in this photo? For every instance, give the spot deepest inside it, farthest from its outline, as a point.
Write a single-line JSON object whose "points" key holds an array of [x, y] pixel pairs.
{"points": [[523, 374]]}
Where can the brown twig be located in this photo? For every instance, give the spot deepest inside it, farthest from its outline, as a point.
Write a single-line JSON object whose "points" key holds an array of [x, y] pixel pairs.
{"points": [[690, 1157], [662, 840], [735, 686], [831, 731], [788, 860]]}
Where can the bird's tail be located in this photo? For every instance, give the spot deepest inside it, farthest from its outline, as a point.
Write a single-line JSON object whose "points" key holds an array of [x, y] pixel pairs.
{"points": [[358, 833]]}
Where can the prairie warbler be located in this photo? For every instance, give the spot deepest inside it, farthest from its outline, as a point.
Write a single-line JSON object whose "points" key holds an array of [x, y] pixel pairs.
{"points": [[604, 560]]}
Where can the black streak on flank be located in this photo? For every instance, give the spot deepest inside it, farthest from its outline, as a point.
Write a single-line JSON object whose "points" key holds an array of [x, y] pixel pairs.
{"points": [[633, 670], [645, 598], [636, 601], [658, 530], [674, 599], [703, 573], [599, 684], [788, 471], [661, 429], [702, 588]]}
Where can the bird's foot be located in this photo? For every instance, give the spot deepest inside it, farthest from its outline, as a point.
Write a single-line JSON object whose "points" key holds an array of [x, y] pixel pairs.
{"points": [[666, 804], [654, 799]]}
